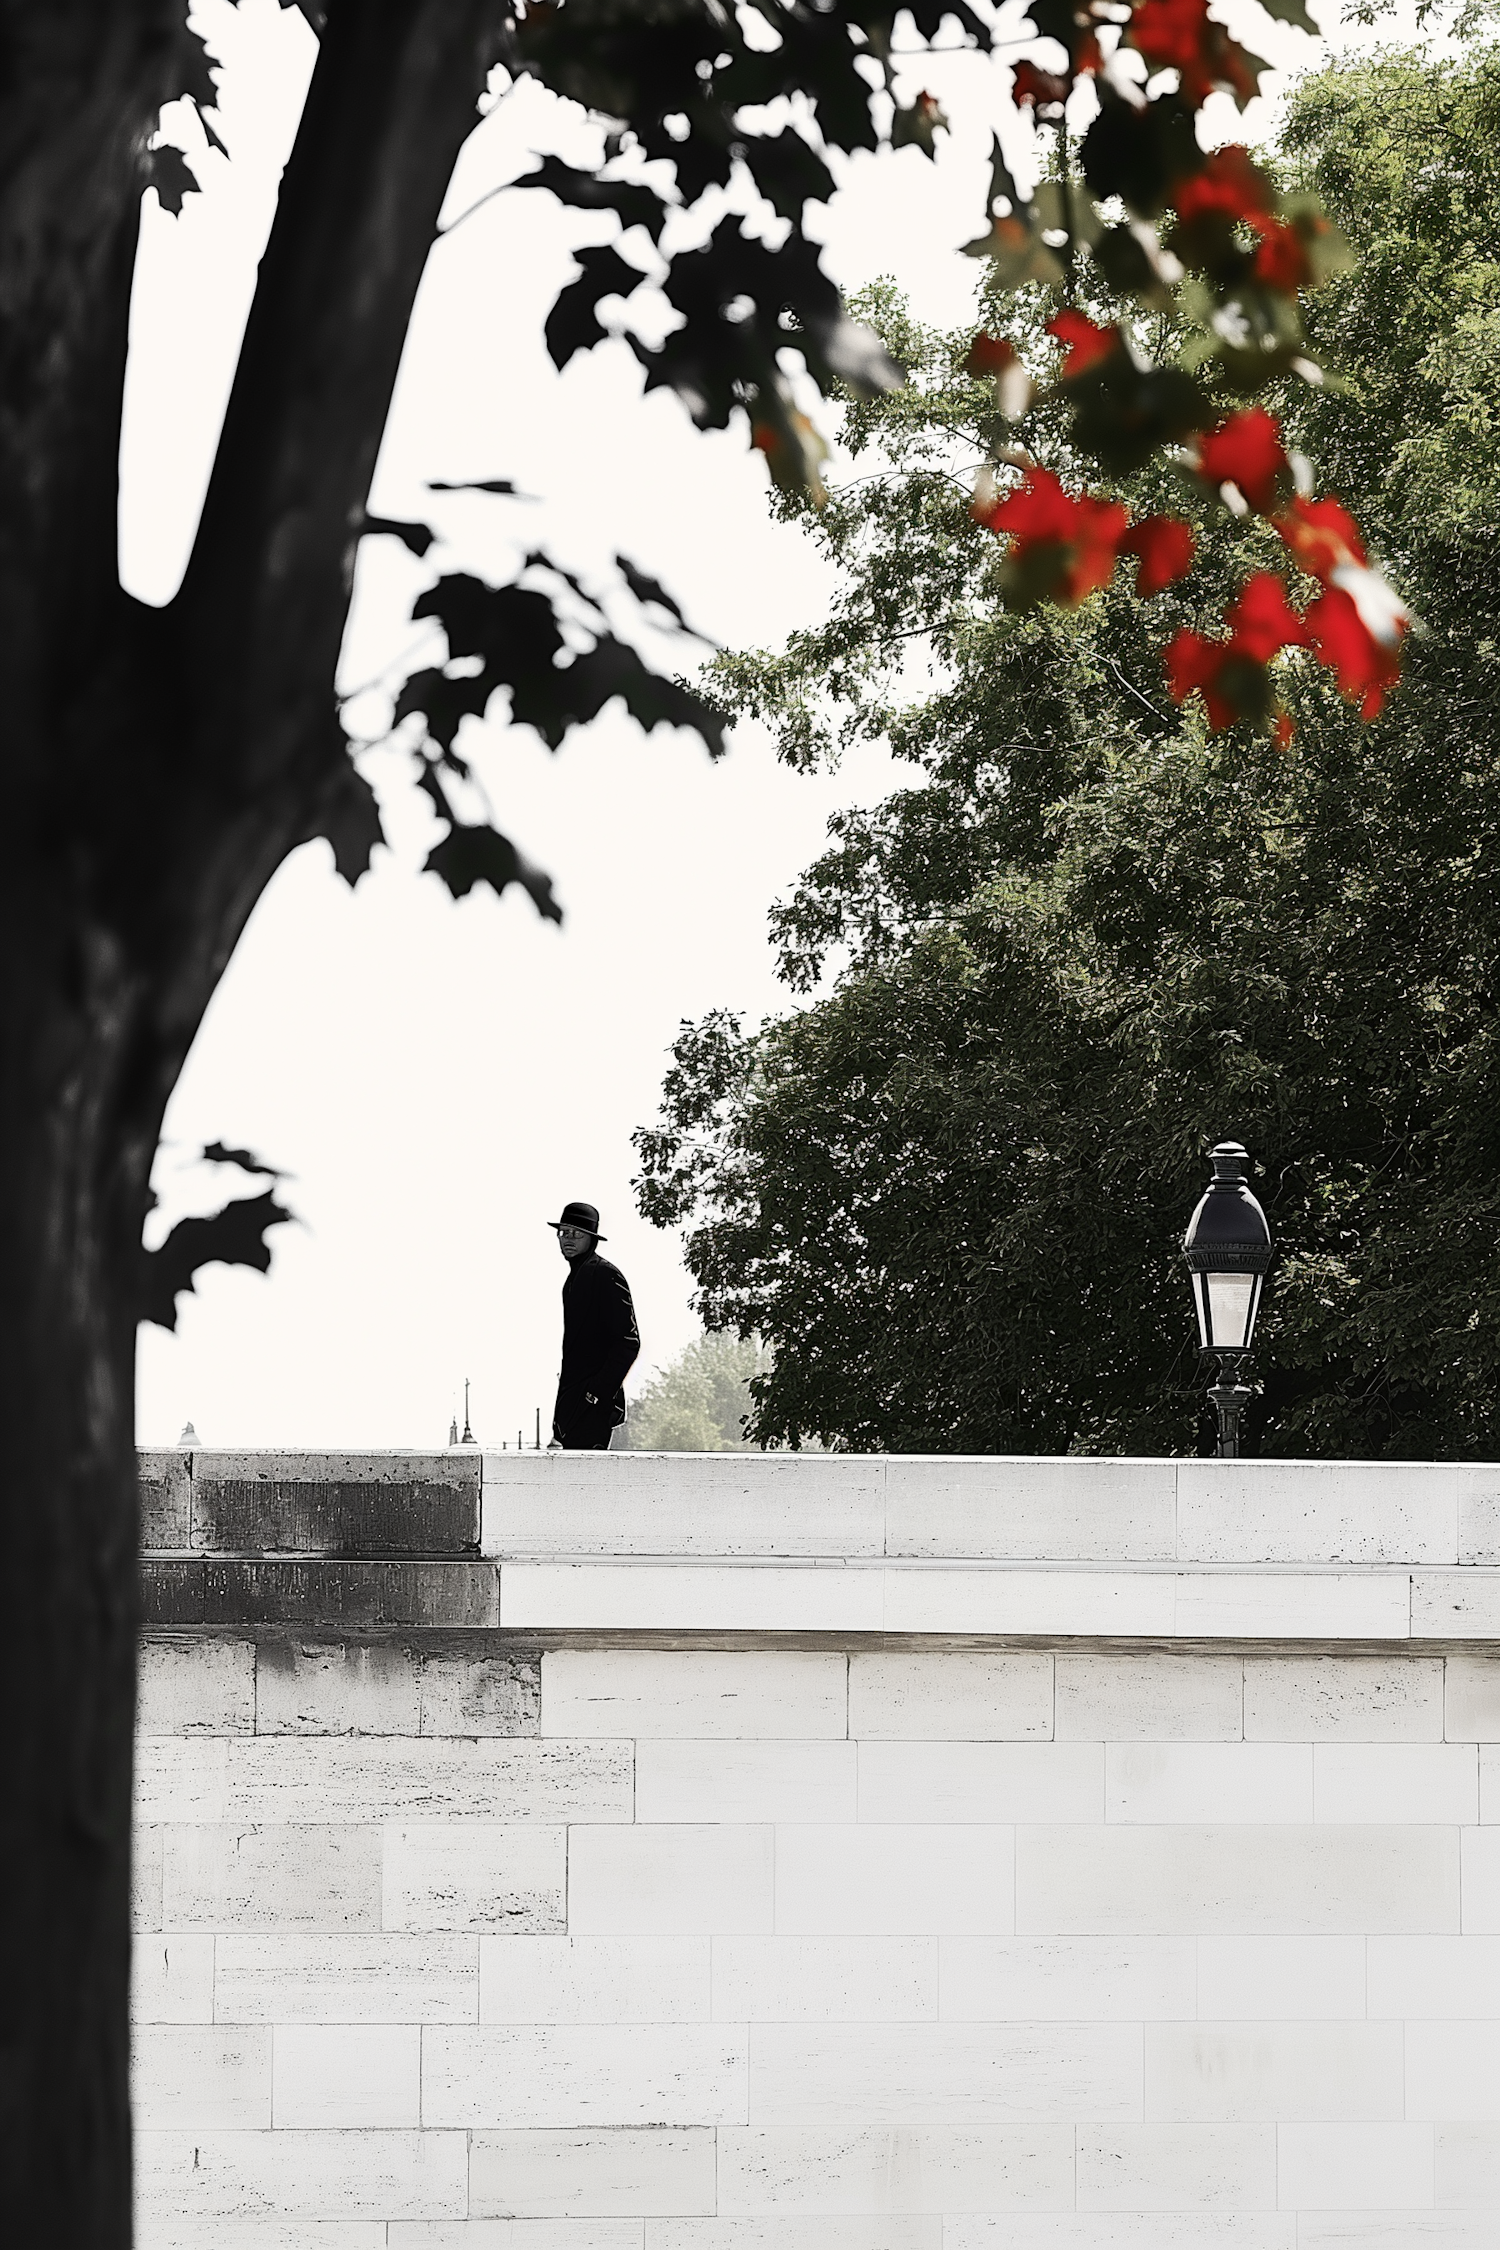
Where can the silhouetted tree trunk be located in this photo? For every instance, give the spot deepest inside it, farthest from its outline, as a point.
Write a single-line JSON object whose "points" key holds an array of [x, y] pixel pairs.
{"points": [[158, 767]]}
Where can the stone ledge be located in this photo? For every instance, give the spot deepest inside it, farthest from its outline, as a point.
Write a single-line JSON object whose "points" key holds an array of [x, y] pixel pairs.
{"points": [[204, 1590], [335, 1504]]}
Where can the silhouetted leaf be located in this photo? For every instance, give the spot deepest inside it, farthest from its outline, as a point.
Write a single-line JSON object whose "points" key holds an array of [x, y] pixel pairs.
{"points": [[788, 172], [634, 204], [573, 323], [235, 1236], [647, 589], [477, 484], [467, 856], [169, 172], [217, 1153], [418, 537]]}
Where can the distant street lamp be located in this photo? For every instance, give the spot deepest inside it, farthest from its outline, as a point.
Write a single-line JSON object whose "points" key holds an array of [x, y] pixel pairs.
{"points": [[1228, 1248]]}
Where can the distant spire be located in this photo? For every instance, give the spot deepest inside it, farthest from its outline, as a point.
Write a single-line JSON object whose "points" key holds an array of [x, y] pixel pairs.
{"points": [[468, 1436], [453, 1431], [189, 1439]]}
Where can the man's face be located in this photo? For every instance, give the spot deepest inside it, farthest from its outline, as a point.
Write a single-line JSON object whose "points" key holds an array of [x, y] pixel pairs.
{"points": [[573, 1241]]}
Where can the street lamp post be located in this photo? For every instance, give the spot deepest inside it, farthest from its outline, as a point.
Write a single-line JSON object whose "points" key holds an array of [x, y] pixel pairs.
{"points": [[1228, 1248]]}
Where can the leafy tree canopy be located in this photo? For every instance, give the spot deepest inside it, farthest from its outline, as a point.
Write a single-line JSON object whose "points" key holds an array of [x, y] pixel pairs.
{"points": [[1093, 937], [701, 1401]]}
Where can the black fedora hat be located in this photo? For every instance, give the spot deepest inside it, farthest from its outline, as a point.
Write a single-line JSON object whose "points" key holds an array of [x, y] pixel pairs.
{"points": [[585, 1215]]}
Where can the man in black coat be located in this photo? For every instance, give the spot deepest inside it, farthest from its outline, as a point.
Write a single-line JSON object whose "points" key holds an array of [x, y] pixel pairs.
{"points": [[600, 1338]]}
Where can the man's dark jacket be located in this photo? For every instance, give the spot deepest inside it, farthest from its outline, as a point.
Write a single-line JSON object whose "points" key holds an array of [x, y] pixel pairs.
{"points": [[600, 1345]]}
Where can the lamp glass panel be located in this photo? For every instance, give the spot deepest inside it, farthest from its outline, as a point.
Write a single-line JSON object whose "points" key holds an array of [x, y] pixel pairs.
{"points": [[1231, 1310]]}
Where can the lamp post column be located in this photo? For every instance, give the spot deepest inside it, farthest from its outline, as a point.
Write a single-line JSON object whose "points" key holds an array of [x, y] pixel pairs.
{"points": [[1228, 1248]]}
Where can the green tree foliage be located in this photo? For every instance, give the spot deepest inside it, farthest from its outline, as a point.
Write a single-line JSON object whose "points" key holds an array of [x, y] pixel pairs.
{"points": [[1092, 938], [701, 1401]]}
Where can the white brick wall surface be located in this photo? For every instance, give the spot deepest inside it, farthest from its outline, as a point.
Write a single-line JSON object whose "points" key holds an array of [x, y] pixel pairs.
{"points": [[901, 1940]]}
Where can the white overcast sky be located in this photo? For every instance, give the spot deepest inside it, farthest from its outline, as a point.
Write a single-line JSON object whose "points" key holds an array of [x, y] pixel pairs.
{"points": [[437, 1078]]}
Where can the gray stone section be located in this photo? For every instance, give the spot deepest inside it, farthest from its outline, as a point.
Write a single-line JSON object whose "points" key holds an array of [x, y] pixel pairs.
{"points": [[336, 1503], [191, 1590], [166, 1488]]}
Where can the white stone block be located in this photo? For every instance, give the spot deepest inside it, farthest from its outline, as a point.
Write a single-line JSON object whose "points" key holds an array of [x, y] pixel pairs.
{"points": [[211, 2077], [474, 1875], [692, 1597], [594, 1980], [260, 2234], [1119, 2230], [1478, 1513], [390, 1779], [1021, 1510], [1254, 1782], [695, 1694], [181, 1778], [1396, 1781], [825, 1979], [1489, 1780], [1065, 1980], [1244, 1881], [1481, 1879], [518, 2234], [671, 1879], [1334, 1511], [1273, 2071], [146, 1849], [474, 1694], [683, 1504], [1015, 1598], [361, 2074], [172, 1980], [912, 2168], [1453, 2071], [943, 2073], [950, 1696], [1455, 1605], [309, 1686], [1334, 1605], [618, 2173], [585, 2074], [1395, 2230], [773, 2231], [1467, 2165], [871, 1880], [195, 1684], [1472, 1690], [1000, 1782], [1434, 1976], [1177, 2167], [300, 2175], [262, 1878], [380, 1978], [1343, 1699], [1155, 1697], [745, 1781], [1354, 2167], [1253, 1979]]}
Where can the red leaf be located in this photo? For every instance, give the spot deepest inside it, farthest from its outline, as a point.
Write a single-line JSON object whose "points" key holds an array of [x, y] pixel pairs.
{"points": [[1229, 186], [1165, 545], [989, 355], [1365, 667], [1247, 451], [1323, 536], [1262, 621], [1086, 344], [1181, 35], [1193, 662], [1073, 543], [1043, 87], [1281, 259]]}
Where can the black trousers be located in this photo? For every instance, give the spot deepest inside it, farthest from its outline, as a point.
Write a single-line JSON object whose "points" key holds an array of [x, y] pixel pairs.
{"points": [[584, 1429]]}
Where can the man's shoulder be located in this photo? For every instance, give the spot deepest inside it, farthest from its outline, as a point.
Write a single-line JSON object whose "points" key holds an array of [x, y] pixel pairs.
{"points": [[596, 1272]]}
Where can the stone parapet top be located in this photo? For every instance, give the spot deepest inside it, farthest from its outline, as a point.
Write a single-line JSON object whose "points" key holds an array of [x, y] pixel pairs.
{"points": [[849, 1547]]}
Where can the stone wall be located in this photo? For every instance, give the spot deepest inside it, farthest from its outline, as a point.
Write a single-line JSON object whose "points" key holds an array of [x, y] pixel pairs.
{"points": [[689, 1910]]}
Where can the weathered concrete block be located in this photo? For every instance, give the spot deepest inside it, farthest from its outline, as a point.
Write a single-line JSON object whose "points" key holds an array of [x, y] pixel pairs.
{"points": [[1455, 1605], [347, 2074], [1336, 1511], [156, 2233], [1354, 2167], [1249, 1979], [738, 1781], [200, 2077], [943, 2074], [337, 1687], [465, 1691], [825, 1979], [227, 1877], [1467, 2167], [539, 1505], [1452, 2070], [383, 1977], [389, 1778], [1396, 1781], [1292, 1605], [1243, 1782], [695, 1694], [595, 1980], [931, 2168], [172, 1980], [181, 1777], [165, 1482], [336, 1504], [775, 2230], [1065, 1980], [670, 1879], [352, 1595], [475, 1875], [171, 1590], [972, 1782], [145, 1877], [1435, 1977], [555, 2173], [1032, 1601], [950, 1697], [593, 2074], [1031, 1510], [1481, 1879], [908, 1879], [1156, 1697], [1238, 1881], [1472, 1699], [301, 2175], [1134, 2230], [195, 1684], [1318, 2071], [1343, 1699], [1177, 2168]]}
